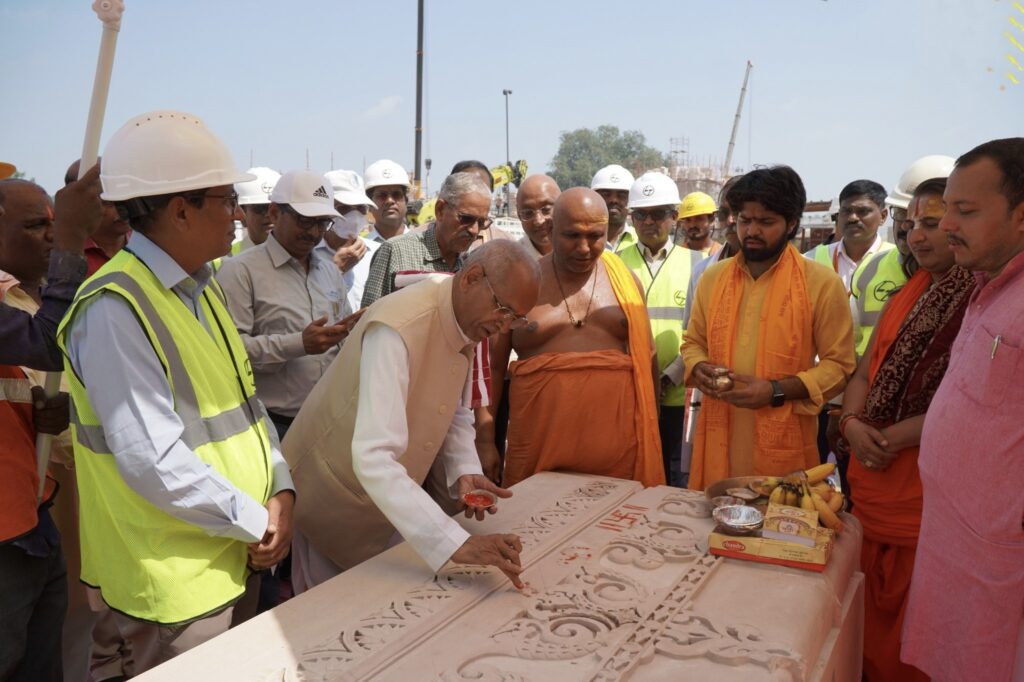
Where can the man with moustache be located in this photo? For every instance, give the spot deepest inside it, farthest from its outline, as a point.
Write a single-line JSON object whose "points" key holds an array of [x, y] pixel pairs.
{"points": [[664, 271], [861, 212], [588, 335], [965, 616], [879, 276], [535, 201], [613, 183], [462, 210], [109, 238], [694, 223], [778, 326], [287, 299], [387, 184]]}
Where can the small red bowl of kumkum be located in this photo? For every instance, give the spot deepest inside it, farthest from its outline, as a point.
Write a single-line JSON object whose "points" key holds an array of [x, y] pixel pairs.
{"points": [[479, 499]]}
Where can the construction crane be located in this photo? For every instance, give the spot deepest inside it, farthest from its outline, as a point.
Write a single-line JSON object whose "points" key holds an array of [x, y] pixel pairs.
{"points": [[736, 122]]}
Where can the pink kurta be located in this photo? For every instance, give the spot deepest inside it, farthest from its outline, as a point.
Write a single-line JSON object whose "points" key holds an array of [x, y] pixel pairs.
{"points": [[966, 608]]}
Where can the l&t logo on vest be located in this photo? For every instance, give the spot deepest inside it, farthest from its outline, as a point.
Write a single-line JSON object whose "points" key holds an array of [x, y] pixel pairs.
{"points": [[679, 297]]}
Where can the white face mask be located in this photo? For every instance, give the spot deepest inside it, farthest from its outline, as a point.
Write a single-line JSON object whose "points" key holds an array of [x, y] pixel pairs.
{"points": [[350, 224]]}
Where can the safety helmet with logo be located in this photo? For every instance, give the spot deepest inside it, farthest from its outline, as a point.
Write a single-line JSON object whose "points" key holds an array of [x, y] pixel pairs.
{"points": [[164, 152], [653, 189], [925, 168], [385, 172], [612, 177], [307, 192], [257, 191], [348, 188], [696, 203]]}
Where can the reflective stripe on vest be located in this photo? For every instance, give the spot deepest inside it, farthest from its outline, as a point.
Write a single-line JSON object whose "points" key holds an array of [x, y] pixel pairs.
{"points": [[147, 563], [666, 304], [874, 281], [15, 390]]}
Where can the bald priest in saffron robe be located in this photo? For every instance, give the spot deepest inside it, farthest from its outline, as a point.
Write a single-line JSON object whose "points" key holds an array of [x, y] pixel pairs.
{"points": [[792, 321]]}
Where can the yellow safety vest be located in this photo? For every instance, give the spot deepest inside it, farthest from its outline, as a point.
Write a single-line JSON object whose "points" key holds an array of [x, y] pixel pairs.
{"points": [[666, 301], [874, 282], [145, 562]]}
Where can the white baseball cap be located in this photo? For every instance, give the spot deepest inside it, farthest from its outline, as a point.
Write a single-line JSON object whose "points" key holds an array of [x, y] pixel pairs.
{"points": [[348, 188], [307, 192], [257, 191], [384, 173], [612, 177]]}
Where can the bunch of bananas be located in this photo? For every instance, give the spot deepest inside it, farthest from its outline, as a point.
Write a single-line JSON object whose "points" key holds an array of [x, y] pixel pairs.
{"points": [[806, 490]]}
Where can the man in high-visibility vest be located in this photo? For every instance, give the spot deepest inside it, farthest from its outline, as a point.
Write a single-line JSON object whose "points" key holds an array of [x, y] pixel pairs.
{"points": [[877, 277], [664, 270], [183, 489], [613, 183]]}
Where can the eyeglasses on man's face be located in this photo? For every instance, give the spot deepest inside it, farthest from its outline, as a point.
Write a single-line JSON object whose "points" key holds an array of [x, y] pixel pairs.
{"points": [[467, 221], [532, 213], [657, 215], [320, 223], [509, 316]]}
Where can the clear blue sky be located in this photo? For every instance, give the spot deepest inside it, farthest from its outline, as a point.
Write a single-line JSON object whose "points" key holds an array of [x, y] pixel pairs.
{"points": [[841, 89]]}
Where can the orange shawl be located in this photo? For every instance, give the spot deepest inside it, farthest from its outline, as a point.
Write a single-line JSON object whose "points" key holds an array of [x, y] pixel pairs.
{"points": [[649, 469], [785, 334]]}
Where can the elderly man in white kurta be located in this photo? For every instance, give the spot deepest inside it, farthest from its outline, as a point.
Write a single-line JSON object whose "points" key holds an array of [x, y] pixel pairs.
{"points": [[392, 403]]}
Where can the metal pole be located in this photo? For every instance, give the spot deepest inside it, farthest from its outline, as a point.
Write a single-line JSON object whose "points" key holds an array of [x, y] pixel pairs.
{"points": [[419, 97], [508, 158]]}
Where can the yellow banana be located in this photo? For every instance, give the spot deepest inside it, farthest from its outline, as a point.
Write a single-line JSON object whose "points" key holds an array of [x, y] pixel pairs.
{"points": [[827, 517], [836, 502], [792, 499], [820, 472], [806, 503], [778, 496]]}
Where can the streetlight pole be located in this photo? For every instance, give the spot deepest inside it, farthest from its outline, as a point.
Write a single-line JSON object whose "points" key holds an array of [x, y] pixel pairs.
{"points": [[508, 156]]}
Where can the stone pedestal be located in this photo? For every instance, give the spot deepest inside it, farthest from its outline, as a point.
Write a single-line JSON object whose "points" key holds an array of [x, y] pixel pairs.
{"points": [[620, 587]]}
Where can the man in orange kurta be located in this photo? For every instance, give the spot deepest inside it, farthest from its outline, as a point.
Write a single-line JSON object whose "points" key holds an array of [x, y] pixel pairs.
{"points": [[582, 394], [778, 325]]}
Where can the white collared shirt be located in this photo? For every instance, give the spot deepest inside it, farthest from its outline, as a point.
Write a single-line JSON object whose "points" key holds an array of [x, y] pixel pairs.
{"points": [[655, 259]]}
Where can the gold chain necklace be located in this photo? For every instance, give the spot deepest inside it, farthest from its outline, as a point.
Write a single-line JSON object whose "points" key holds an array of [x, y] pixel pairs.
{"points": [[575, 323]]}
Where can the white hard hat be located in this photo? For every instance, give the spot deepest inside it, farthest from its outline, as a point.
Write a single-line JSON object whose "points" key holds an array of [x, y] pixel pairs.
{"points": [[833, 208], [307, 192], [612, 177], [925, 168], [165, 152], [385, 172], [653, 189], [257, 191], [348, 188]]}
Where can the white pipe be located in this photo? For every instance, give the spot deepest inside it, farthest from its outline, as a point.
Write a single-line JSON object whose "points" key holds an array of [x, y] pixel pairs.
{"points": [[109, 12]]}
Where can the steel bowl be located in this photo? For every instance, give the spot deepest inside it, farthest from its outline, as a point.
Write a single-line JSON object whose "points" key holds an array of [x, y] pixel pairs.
{"points": [[738, 519], [727, 501]]}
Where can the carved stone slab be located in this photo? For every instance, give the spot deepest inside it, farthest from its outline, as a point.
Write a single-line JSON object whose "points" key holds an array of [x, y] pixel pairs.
{"points": [[619, 588]]}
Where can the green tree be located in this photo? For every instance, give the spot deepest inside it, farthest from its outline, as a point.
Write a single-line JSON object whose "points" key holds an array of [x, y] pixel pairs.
{"points": [[582, 152]]}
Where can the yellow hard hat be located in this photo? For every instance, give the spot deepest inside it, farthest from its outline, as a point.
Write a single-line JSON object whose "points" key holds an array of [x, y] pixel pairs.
{"points": [[696, 203]]}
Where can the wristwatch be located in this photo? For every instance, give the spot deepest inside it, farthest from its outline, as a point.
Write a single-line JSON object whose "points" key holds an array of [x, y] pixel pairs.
{"points": [[778, 397]]}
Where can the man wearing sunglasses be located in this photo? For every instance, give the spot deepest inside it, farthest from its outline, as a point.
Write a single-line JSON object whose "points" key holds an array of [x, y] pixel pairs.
{"points": [[664, 269], [461, 214], [387, 184], [287, 298], [183, 490]]}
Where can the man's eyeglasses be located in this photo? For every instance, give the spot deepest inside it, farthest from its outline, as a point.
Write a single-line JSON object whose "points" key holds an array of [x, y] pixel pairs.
{"points": [[657, 214], [321, 223], [531, 213], [258, 209], [509, 316], [467, 221], [383, 195], [230, 199]]}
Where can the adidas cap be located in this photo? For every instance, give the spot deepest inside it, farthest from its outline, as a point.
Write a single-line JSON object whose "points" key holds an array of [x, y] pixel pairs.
{"points": [[309, 193]]}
